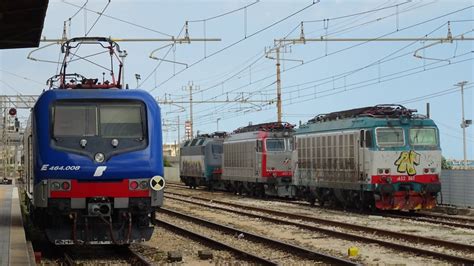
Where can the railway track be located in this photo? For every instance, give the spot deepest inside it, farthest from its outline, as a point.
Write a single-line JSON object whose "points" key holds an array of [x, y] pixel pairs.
{"points": [[104, 255], [435, 219], [255, 239], [438, 219], [357, 229]]}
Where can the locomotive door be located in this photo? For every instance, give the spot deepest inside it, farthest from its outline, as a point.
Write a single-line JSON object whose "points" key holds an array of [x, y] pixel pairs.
{"points": [[258, 158], [365, 142]]}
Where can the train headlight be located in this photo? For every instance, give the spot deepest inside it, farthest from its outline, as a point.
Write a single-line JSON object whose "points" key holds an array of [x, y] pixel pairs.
{"points": [[55, 186], [114, 143], [99, 157], [83, 143], [143, 185]]}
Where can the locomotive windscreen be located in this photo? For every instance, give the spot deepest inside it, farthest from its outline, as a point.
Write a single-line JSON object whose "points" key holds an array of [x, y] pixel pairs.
{"points": [[423, 137], [75, 121], [108, 120], [217, 149], [121, 121], [275, 144], [390, 137]]}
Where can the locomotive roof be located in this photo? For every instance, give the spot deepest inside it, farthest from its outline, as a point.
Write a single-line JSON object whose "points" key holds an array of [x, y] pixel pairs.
{"points": [[381, 115], [362, 122], [203, 140], [380, 110], [95, 94], [269, 127]]}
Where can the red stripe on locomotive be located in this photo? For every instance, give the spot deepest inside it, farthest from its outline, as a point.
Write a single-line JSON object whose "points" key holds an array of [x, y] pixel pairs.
{"points": [[100, 189]]}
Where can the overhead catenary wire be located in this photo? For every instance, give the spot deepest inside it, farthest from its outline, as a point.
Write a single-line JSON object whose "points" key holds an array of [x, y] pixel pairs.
{"points": [[331, 79], [453, 130], [381, 36], [119, 19], [225, 13], [11, 87], [417, 98], [356, 14], [378, 37], [97, 19], [431, 96], [235, 43], [339, 90], [336, 31], [78, 10], [385, 59], [366, 85], [21, 77], [161, 61], [351, 15]]}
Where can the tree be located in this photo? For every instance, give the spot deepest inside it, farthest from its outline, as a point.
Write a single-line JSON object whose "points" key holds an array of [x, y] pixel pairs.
{"points": [[444, 164], [166, 162]]}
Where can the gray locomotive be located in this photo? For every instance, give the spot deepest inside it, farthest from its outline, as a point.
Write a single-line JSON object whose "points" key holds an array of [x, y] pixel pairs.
{"points": [[201, 160], [257, 160], [253, 160]]}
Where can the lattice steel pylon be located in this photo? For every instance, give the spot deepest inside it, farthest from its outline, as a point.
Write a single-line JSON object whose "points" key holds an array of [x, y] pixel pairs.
{"points": [[18, 101], [10, 139]]}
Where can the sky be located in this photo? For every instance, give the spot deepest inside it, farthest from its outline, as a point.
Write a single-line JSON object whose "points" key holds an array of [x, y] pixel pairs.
{"points": [[316, 77]]}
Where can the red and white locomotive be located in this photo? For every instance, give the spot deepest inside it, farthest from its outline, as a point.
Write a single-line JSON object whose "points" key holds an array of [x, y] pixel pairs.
{"points": [[257, 160]]}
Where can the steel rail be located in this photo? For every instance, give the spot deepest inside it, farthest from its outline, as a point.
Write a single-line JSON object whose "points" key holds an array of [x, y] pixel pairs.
{"points": [[421, 217], [140, 259], [441, 216], [297, 250], [360, 228], [132, 256], [203, 238], [430, 219], [350, 236]]}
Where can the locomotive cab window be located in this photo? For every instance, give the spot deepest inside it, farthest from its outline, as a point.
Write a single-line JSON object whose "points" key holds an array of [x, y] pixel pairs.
{"points": [[390, 137], [107, 120], [121, 121], [423, 137], [216, 149], [290, 144], [368, 138], [72, 121], [275, 144]]}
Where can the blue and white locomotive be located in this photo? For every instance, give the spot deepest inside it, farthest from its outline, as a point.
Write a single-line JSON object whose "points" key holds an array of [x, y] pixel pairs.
{"points": [[93, 154]]}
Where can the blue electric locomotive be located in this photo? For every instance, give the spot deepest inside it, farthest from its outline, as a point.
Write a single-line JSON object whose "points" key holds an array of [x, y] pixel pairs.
{"points": [[92, 157]]}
